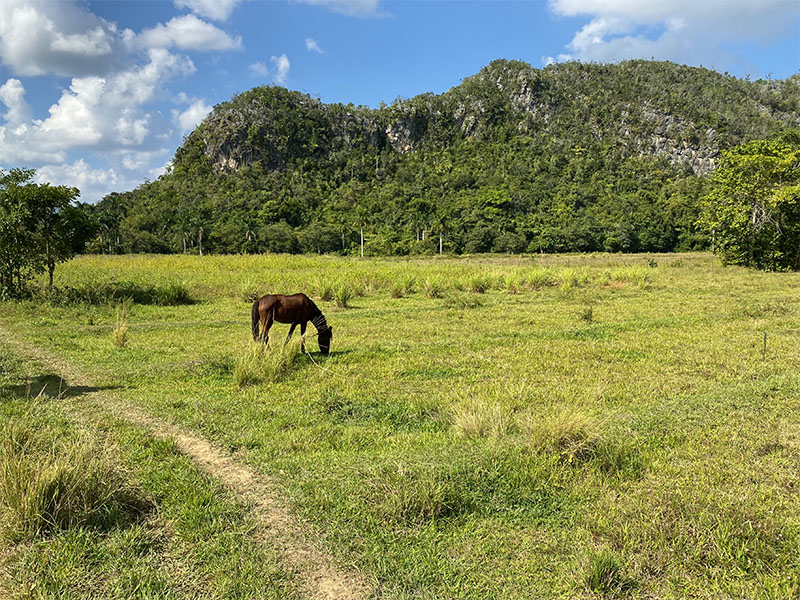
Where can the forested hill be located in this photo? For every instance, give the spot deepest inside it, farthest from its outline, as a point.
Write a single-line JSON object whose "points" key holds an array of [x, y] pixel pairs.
{"points": [[572, 157]]}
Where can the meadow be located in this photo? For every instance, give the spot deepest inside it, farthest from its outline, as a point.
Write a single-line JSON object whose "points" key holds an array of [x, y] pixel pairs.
{"points": [[569, 426]]}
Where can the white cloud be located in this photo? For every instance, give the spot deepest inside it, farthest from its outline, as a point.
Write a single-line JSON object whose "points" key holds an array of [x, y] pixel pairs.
{"points": [[37, 38], [78, 174], [192, 116], [282, 64], [219, 10], [687, 31], [12, 94], [351, 8], [189, 33], [313, 46], [259, 69], [98, 113]]}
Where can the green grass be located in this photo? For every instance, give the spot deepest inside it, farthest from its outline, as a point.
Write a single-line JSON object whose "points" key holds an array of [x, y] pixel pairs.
{"points": [[99, 509], [588, 425]]}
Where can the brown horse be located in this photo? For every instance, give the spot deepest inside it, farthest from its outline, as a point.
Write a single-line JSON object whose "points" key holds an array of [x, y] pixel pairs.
{"points": [[297, 309]]}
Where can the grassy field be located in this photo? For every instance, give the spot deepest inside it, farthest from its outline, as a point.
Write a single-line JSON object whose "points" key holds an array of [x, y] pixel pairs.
{"points": [[489, 427]]}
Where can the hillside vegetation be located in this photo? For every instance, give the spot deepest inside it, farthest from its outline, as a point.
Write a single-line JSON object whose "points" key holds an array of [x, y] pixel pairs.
{"points": [[572, 157]]}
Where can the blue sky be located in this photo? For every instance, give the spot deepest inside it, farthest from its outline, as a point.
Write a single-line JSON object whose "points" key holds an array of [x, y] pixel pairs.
{"points": [[98, 94]]}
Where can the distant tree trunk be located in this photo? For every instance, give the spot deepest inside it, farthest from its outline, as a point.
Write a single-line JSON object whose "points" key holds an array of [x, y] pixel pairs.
{"points": [[440, 242], [362, 242], [200, 240]]}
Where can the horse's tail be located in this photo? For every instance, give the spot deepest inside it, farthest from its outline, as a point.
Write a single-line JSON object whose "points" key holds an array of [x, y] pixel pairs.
{"points": [[254, 319]]}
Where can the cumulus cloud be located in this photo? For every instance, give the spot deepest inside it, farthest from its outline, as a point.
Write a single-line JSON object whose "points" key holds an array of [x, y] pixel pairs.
{"points": [[12, 94], [313, 46], [38, 38], [282, 64], [218, 10], [190, 118], [685, 31], [98, 113], [259, 69], [79, 174], [351, 8], [188, 33]]}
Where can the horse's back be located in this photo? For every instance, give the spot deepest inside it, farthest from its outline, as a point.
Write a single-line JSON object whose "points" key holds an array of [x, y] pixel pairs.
{"points": [[288, 308]]}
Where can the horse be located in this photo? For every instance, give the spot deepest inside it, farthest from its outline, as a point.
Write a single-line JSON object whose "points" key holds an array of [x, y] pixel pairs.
{"points": [[297, 309]]}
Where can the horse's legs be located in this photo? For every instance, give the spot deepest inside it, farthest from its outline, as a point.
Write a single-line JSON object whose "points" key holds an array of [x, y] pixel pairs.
{"points": [[302, 334], [291, 331], [266, 323]]}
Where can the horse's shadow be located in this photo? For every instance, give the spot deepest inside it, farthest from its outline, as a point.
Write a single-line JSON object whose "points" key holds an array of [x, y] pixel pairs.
{"points": [[52, 386]]}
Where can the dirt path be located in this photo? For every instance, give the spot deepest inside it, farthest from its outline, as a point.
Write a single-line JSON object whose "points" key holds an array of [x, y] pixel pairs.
{"points": [[319, 576]]}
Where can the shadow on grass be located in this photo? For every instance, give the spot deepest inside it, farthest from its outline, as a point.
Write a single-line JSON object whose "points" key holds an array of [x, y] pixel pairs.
{"points": [[51, 386]]}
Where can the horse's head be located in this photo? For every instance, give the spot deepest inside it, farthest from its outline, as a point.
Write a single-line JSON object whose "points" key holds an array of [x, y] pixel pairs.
{"points": [[324, 339]]}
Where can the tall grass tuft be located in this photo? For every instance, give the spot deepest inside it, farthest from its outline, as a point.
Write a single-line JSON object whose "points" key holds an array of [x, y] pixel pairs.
{"points": [[572, 278], [479, 417], [570, 433], [343, 295], [478, 283], [260, 363], [433, 287], [639, 276], [604, 573], [578, 439], [324, 289], [397, 290], [512, 284], [538, 278], [249, 290], [120, 332], [45, 488]]}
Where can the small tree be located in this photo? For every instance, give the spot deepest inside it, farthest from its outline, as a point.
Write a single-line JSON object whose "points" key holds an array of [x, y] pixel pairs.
{"points": [[38, 228], [56, 223], [753, 208]]}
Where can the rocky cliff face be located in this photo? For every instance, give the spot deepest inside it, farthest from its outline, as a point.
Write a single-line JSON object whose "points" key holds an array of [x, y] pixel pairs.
{"points": [[683, 114]]}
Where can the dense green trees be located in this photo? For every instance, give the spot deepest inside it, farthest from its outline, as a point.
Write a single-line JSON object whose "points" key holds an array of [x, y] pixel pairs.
{"points": [[573, 157], [40, 226], [753, 208]]}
